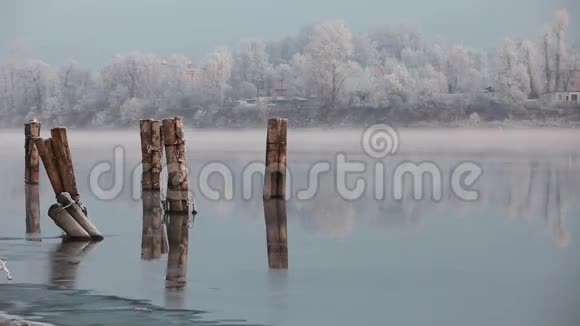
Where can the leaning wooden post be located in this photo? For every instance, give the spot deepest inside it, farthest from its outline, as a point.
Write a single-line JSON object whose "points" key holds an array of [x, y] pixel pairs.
{"points": [[64, 162], [49, 161], [177, 181], [76, 212], [276, 159], [67, 223], [276, 233], [31, 176]]}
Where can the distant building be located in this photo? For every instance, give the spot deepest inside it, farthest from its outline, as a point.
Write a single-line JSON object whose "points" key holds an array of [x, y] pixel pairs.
{"points": [[572, 93]]}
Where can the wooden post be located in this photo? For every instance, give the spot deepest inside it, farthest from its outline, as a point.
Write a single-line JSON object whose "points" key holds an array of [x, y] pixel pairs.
{"points": [[78, 215], [31, 177], [276, 233], [64, 162], [70, 215], [153, 238], [177, 180], [178, 235], [49, 161], [67, 223], [276, 159], [151, 153]]}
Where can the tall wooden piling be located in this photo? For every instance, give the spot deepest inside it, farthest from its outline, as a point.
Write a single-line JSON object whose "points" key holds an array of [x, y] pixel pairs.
{"points": [[276, 159], [151, 153], [178, 236], [64, 163], [49, 161], [153, 238], [276, 233], [31, 177], [177, 179]]}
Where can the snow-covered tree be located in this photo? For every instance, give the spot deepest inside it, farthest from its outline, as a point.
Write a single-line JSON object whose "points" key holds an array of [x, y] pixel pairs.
{"points": [[75, 82], [250, 61], [530, 59], [511, 75], [390, 42], [560, 28], [214, 73], [466, 70], [365, 50], [327, 59], [546, 43]]}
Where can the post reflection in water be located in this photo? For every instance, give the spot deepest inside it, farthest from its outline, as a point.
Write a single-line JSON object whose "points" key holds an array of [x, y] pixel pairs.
{"points": [[175, 298], [153, 239], [276, 233], [65, 261], [178, 236]]}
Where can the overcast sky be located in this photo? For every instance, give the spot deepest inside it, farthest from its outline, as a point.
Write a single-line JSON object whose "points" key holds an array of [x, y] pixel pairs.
{"points": [[93, 31]]}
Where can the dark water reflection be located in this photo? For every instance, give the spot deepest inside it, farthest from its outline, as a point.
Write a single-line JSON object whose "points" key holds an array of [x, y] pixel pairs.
{"points": [[153, 238], [276, 233], [178, 235], [509, 258], [65, 260]]}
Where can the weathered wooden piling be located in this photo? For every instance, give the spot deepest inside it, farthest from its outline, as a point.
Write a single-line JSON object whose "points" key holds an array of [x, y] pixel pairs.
{"points": [[61, 151], [69, 214], [31, 178], [177, 179], [276, 159], [153, 238], [151, 153], [67, 223], [49, 161], [178, 235], [65, 199], [276, 233]]}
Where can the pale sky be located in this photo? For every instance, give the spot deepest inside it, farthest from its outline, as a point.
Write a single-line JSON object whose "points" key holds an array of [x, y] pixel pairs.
{"points": [[93, 31]]}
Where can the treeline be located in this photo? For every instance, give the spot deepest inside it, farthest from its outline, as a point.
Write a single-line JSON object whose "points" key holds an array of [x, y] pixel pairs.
{"points": [[326, 64]]}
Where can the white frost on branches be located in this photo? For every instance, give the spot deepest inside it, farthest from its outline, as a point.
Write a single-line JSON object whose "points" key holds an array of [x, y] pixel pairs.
{"points": [[327, 63]]}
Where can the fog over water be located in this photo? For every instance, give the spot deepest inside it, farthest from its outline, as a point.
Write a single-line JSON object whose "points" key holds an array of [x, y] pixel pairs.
{"points": [[510, 256]]}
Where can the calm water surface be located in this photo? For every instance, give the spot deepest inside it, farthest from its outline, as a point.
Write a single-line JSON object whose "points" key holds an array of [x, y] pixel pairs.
{"points": [[509, 258]]}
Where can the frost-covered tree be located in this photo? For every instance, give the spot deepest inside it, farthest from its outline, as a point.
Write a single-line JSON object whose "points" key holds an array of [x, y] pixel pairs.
{"points": [[327, 59], [560, 27], [391, 41], [546, 43], [250, 62], [466, 70], [573, 65], [530, 59], [511, 75], [365, 50], [75, 82], [283, 51], [214, 73]]}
